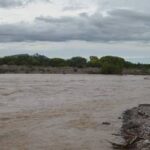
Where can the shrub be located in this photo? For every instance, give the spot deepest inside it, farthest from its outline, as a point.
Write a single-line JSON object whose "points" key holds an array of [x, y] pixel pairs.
{"points": [[112, 65], [94, 62], [57, 62], [78, 62]]}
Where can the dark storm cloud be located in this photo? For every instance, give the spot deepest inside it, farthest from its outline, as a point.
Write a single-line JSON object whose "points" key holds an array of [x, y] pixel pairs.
{"points": [[119, 25], [14, 3]]}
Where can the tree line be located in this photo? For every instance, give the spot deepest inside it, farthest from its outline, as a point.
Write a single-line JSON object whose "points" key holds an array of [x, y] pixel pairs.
{"points": [[108, 64]]}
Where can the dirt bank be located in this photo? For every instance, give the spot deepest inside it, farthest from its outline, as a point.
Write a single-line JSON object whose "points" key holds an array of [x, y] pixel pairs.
{"points": [[47, 70], [62, 70]]}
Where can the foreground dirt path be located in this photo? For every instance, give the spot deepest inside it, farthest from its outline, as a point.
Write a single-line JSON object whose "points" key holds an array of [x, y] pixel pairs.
{"points": [[58, 112]]}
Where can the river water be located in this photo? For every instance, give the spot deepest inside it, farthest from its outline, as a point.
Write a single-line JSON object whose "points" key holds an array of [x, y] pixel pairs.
{"points": [[65, 112]]}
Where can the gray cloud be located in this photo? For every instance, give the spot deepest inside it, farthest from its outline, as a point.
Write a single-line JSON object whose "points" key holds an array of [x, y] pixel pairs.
{"points": [[14, 3], [119, 25], [8, 3], [75, 5], [74, 8]]}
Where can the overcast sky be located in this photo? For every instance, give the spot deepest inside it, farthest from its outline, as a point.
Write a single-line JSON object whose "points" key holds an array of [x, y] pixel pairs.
{"points": [[66, 28]]}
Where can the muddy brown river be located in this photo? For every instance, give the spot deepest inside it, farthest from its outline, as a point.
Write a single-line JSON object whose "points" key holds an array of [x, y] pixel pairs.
{"points": [[65, 112]]}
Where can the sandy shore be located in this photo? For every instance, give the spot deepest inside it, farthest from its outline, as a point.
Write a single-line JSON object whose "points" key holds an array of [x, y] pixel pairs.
{"points": [[66, 112]]}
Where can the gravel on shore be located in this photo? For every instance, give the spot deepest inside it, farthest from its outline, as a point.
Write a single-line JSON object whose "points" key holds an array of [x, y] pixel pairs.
{"points": [[136, 129]]}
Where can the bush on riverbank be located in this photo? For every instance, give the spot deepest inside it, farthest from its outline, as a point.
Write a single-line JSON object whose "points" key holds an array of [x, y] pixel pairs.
{"points": [[112, 65]]}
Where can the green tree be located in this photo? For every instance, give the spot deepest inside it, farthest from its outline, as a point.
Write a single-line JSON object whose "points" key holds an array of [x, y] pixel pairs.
{"points": [[79, 62], [94, 62], [112, 65], [39, 60], [57, 62]]}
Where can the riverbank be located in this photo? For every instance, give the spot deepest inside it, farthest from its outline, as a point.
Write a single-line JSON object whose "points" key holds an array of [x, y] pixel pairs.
{"points": [[136, 129], [47, 70], [63, 70]]}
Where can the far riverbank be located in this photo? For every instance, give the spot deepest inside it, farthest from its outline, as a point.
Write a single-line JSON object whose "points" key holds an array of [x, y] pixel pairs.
{"points": [[62, 70]]}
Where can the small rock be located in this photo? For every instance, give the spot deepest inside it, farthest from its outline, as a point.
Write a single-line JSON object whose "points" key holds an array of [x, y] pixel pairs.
{"points": [[106, 123], [146, 142], [132, 124]]}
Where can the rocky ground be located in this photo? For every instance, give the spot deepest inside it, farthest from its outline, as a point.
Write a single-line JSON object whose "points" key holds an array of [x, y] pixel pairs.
{"points": [[136, 129]]}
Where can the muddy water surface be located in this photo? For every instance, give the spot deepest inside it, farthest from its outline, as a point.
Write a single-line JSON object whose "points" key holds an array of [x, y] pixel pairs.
{"points": [[65, 112]]}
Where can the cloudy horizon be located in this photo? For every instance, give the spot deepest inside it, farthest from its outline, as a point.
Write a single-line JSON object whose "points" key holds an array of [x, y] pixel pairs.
{"points": [[70, 28]]}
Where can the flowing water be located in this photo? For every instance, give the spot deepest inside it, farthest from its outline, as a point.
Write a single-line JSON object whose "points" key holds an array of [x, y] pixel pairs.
{"points": [[66, 112]]}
